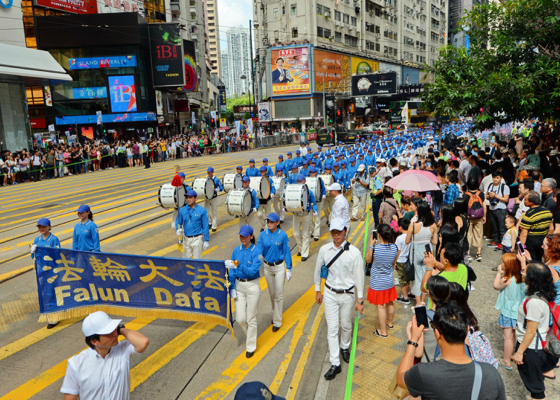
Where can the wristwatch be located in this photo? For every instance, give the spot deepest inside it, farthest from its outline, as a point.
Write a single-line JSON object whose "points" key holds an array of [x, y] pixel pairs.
{"points": [[361, 303], [119, 328], [412, 343]]}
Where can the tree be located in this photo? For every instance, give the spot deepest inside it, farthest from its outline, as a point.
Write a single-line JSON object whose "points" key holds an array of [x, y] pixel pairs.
{"points": [[237, 101], [511, 71]]}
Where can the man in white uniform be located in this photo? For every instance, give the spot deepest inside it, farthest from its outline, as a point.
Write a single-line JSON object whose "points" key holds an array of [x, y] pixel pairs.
{"points": [[345, 279], [360, 193], [340, 208]]}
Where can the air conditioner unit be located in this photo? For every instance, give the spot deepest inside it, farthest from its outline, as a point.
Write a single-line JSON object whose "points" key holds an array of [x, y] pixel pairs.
{"points": [[327, 14], [331, 37], [357, 31], [371, 13], [378, 36]]}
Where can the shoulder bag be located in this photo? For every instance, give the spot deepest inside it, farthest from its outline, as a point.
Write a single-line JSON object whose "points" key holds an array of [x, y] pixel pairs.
{"points": [[409, 265], [325, 268]]}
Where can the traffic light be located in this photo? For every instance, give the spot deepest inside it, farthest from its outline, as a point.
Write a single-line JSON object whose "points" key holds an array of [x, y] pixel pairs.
{"points": [[339, 116], [213, 123]]}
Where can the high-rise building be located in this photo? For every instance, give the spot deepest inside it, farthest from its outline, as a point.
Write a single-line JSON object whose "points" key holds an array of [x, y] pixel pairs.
{"points": [[457, 10], [214, 36], [225, 67], [239, 57]]}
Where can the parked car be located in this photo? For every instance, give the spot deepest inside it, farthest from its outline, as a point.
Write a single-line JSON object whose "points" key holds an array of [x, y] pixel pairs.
{"points": [[333, 135], [407, 128]]}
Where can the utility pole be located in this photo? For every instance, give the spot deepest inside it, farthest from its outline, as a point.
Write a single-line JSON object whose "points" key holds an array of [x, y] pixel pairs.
{"points": [[324, 104], [252, 68]]}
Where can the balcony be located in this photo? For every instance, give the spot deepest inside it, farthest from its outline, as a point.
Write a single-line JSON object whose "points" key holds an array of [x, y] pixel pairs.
{"points": [[192, 2], [193, 12]]}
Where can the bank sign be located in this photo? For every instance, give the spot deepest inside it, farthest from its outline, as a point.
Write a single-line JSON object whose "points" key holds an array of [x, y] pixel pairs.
{"points": [[6, 3], [102, 62]]}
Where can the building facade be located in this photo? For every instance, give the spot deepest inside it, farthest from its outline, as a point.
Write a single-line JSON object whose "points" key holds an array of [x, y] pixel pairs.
{"points": [[214, 37], [239, 62]]}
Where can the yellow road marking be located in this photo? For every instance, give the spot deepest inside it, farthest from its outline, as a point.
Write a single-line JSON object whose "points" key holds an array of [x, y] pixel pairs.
{"points": [[8, 275]]}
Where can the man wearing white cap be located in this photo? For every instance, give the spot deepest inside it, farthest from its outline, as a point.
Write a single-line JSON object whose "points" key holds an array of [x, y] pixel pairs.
{"points": [[360, 192], [342, 264], [340, 208], [302, 222], [103, 370]]}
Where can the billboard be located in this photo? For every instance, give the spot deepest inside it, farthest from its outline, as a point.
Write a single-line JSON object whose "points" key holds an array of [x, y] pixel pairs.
{"points": [[89, 93], [361, 66], [102, 62], [410, 76], [264, 112], [71, 6], [189, 58], [290, 71], [107, 118], [222, 99], [333, 67], [112, 6], [374, 84], [166, 51], [122, 93], [159, 103]]}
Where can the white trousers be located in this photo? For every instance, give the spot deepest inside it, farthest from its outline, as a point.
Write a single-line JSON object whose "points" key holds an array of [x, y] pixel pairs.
{"points": [[279, 207], [359, 206], [329, 201], [317, 220], [211, 207], [246, 307], [338, 312], [264, 210], [192, 247], [245, 220], [275, 281], [302, 231]]}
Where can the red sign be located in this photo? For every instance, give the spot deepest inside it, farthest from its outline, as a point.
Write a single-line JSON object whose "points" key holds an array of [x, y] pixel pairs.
{"points": [[38, 123], [72, 6]]}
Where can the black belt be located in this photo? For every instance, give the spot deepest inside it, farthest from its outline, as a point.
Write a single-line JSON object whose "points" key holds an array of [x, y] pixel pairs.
{"points": [[340, 291], [200, 234], [275, 263], [246, 280]]}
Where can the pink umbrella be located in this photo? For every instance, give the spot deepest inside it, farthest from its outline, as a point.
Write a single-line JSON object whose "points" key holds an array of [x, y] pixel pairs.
{"points": [[433, 177], [414, 182]]}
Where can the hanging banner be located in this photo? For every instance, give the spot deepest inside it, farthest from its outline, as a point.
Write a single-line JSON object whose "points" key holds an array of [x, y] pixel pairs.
{"points": [[76, 283], [334, 68], [166, 51], [290, 71], [122, 93], [102, 62], [189, 58], [264, 112], [99, 117], [250, 125], [222, 99]]}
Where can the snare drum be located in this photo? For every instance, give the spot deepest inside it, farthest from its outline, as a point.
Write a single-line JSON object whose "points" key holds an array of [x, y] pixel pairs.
{"points": [[232, 181], [278, 182], [261, 185], [327, 181], [314, 184], [204, 187], [296, 197], [171, 196], [238, 203]]}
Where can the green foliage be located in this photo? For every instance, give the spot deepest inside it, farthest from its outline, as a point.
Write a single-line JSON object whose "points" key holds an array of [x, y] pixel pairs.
{"points": [[237, 101], [298, 124], [512, 70]]}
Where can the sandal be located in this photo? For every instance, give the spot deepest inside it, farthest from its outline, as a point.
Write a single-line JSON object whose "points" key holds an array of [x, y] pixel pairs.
{"points": [[390, 326], [510, 368], [376, 333]]}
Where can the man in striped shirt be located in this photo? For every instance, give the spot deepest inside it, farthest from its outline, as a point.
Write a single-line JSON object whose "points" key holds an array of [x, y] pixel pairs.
{"points": [[534, 225]]}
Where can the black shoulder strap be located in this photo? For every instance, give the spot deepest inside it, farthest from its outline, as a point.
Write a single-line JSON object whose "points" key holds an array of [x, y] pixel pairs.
{"points": [[346, 247]]}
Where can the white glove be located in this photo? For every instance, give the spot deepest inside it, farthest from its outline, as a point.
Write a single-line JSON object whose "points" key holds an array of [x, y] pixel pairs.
{"points": [[34, 248], [205, 246], [288, 274], [179, 231], [315, 214], [324, 196], [233, 294], [230, 264], [254, 210]]}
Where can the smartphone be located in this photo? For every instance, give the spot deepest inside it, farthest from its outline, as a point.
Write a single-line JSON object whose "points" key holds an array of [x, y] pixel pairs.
{"points": [[428, 249], [421, 316], [374, 234], [521, 248]]}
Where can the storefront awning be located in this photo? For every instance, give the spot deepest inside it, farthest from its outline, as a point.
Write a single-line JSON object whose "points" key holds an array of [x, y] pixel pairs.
{"points": [[30, 63]]}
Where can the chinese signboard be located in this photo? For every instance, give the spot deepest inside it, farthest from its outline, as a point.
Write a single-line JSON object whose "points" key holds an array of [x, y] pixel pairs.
{"points": [[71, 6], [222, 99], [112, 6], [90, 93], [102, 62], [361, 66], [166, 49], [334, 68], [290, 71]]}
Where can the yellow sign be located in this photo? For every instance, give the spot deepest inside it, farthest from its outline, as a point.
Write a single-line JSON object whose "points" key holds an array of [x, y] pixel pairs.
{"points": [[361, 66], [223, 123]]}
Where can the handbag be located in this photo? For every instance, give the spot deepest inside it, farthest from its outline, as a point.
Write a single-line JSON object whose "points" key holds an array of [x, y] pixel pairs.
{"points": [[409, 265], [325, 268], [395, 390]]}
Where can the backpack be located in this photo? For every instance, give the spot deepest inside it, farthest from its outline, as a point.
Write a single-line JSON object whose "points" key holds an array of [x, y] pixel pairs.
{"points": [[105, 151], [475, 208], [480, 349], [552, 343], [438, 195]]}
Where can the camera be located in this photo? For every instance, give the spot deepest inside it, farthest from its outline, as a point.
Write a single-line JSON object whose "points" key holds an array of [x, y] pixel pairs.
{"points": [[493, 201]]}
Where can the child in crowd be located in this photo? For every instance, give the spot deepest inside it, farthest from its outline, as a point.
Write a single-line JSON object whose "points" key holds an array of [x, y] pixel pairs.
{"points": [[402, 256], [508, 241], [512, 291]]}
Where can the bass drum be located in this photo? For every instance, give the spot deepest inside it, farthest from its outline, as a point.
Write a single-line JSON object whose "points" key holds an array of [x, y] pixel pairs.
{"points": [[296, 198], [278, 182], [327, 181], [314, 184], [170, 196], [261, 185], [238, 202], [204, 187], [232, 181]]}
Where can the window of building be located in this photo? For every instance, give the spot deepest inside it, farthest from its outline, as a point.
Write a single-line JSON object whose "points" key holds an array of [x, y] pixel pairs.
{"points": [[283, 10], [293, 9], [34, 95], [346, 18], [338, 37], [294, 33], [319, 9], [350, 40], [275, 13], [327, 33], [377, 12], [337, 16], [353, 21], [276, 35], [326, 11], [319, 31]]}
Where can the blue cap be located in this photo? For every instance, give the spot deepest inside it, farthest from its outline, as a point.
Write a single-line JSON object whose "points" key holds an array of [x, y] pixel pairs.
{"points": [[251, 160], [240, 167], [281, 156], [83, 208], [192, 193], [343, 162], [44, 222], [328, 166], [265, 159], [210, 169], [297, 151], [273, 217], [336, 164], [319, 147], [246, 179], [353, 159], [289, 153], [246, 230], [255, 391], [315, 154], [181, 174], [312, 169], [294, 166], [314, 161], [301, 177], [305, 162], [263, 168]]}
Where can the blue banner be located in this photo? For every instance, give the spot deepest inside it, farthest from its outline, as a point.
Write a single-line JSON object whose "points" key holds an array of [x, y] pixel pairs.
{"points": [[90, 93], [76, 283], [123, 93], [102, 62], [107, 118]]}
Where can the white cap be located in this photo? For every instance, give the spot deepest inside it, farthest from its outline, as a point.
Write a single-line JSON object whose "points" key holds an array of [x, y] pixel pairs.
{"points": [[337, 224], [335, 186], [361, 168], [381, 160], [99, 323]]}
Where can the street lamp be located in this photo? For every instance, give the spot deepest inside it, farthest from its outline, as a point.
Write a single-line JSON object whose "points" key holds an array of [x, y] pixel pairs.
{"points": [[245, 77]]}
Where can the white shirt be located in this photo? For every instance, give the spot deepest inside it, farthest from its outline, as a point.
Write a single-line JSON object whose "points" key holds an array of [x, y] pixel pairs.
{"points": [[303, 151], [403, 248], [341, 209], [345, 272], [522, 209], [465, 168], [93, 377], [487, 180]]}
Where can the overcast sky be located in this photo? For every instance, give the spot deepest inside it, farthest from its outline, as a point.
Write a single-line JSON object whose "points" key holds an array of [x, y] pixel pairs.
{"points": [[232, 13]]}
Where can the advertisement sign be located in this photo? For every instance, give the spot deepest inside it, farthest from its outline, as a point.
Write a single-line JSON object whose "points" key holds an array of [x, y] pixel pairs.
{"points": [[37, 123], [372, 84], [88, 132], [6, 4], [223, 123], [222, 99], [99, 117], [102, 62], [48, 96], [113, 6], [159, 103], [189, 58], [71, 6], [107, 118], [334, 68], [264, 112], [89, 93], [410, 76], [290, 71], [361, 66], [411, 90], [123, 93], [166, 50]]}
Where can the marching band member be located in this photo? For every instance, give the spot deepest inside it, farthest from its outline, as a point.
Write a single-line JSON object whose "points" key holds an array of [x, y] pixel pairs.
{"points": [[298, 160], [264, 205], [321, 154], [316, 229], [211, 205], [329, 201], [302, 223], [339, 175], [318, 162], [279, 165], [292, 179], [305, 169], [192, 223], [288, 163], [254, 203], [274, 247], [239, 170], [268, 168], [340, 208], [345, 278], [245, 288], [252, 171], [177, 181], [360, 193], [86, 234], [277, 202]]}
